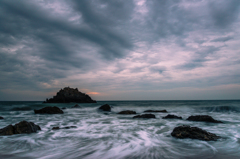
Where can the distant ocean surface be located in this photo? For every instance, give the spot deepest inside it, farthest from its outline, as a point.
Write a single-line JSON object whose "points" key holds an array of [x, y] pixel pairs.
{"points": [[107, 135]]}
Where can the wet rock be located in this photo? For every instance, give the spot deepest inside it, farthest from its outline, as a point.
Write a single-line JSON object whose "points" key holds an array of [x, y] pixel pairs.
{"points": [[1, 117], [156, 111], [205, 118], [145, 116], [185, 131], [105, 107], [76, 106], [64, 108], [67, 127], [68, 95], [127, 112], [170, 116], [49, 110], [20, 128]]}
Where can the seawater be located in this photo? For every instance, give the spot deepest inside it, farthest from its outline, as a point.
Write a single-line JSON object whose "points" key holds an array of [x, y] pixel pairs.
{"points": [[108, 135]]}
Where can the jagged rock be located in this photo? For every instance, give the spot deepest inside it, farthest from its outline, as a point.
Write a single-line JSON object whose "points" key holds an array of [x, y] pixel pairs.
{"points": [[205, 118], [170, 116], [76, 106], [1, 117], [145, 116], [67, 127], [105, 107], [193, 133], [127, 112], [49, 110], [20, 128], [156, 111], [68, 95]]}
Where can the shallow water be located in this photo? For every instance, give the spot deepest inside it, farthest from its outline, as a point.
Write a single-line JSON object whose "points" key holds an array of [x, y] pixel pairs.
{"points": [[109, 135]]}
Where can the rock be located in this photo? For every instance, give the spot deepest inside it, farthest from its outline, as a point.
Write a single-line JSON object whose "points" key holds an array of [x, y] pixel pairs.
{"points": [[1, 117], [145, 116], [127, 112], [67, 127], [105, 107], [76, 106], [156, 111], [205, 118], [170, 116], [49, 110], [64, 108], [21, 108], [20, 128], [193, 133], [68, 95]]}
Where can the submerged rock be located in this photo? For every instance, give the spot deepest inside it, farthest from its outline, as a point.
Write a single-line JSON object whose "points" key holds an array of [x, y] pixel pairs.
{"points": [[21, 108], [68, 95], [67, 127], [127, 112], [1, 117], [105, 107], [49, 110], [185, 131], [64, 108], [76, 106], [156, 111], [20, 128], [145, 116], [170, 116], [205, 118]]}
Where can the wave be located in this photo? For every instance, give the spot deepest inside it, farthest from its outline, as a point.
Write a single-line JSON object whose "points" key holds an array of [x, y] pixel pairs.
{"points": [[222, 108], [21, 109]]}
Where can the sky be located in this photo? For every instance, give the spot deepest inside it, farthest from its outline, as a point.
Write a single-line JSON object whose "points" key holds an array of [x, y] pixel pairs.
{"points": [[120, 50]]}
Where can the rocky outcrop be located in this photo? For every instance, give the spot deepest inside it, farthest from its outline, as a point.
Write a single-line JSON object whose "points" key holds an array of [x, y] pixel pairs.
{"points": [[68, 95], [145, 116], [105, 107], [127, 112], [49, 110], [156, 111], [67, 127], [170, 116], [22, 127], [1, 117], [205, 118], [185, 131], [76, 106]]}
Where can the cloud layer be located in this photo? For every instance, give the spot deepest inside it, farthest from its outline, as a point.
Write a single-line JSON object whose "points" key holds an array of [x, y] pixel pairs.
{"points": [[120, 50]]}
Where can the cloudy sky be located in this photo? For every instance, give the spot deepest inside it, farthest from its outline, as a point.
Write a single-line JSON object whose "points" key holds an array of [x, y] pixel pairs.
{"points": [[120, 49]]}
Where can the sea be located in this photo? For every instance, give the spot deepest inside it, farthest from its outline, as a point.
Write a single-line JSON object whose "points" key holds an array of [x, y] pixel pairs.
{"points": [[108, 135]]}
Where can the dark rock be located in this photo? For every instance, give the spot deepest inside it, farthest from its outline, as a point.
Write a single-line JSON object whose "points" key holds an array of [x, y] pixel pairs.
{"points": [[21, 108], [170, 116], [156, 111], [205, 118], [68, 95], [76, 106], [20, 128], [67, 127], [49, 110], [64, 108], [193, 133], [105, 107], [145, 116], [1, 117], [127, 112]]}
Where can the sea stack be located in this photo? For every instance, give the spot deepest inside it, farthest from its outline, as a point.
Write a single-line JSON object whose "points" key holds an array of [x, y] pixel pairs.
{"points": [[68, 95]]}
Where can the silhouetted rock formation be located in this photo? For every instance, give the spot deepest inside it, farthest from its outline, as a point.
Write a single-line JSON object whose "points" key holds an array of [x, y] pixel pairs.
{"points": [[49, 110], [156, 111], [105, 107], [127, 112], [67, 127], [205, 118], [170, 116], [68, 95], [76, 106], [1, 117], [193, 133], [20, 128], [145, 116]]}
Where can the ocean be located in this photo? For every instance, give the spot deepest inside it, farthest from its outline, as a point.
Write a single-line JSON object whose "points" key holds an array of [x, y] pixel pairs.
{"points": [[108, 135]]}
